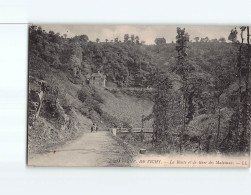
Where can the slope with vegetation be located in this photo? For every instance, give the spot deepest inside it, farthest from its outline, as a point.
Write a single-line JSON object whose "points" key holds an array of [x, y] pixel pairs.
{"points": [[194, 102], [210, 110], [70, 105]]}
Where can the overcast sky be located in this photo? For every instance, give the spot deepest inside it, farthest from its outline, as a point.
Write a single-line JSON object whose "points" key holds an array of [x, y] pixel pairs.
{"points": [[145, 32]]}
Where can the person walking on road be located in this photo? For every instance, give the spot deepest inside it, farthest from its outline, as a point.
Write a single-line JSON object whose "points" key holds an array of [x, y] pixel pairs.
{"points": [[92, 127]]}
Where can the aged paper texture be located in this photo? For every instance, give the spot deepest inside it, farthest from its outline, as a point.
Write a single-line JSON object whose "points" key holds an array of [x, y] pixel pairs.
{"points": [[139, 96]]}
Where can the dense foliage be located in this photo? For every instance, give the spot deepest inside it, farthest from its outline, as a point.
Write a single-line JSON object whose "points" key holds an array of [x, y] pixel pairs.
{"points": [[200, 89], [126, 64], [207, 112]]}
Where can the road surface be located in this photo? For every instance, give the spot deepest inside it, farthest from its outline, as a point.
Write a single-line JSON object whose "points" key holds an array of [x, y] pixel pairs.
{"points": [[91, 149]]}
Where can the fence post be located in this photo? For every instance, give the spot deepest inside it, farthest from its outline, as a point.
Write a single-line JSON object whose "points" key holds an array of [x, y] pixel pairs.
{"points": [[142, 126], [114, 131]]}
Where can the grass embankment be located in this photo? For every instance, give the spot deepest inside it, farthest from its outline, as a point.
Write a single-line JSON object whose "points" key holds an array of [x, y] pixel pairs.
{"points": [[128, 106], [69, 107], [60, 118]]}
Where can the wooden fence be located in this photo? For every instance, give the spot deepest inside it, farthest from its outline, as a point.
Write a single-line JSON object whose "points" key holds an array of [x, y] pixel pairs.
{"points": [[134, 130]]}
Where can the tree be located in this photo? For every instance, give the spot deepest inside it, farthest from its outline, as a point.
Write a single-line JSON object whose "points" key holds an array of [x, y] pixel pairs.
{"points": [[160, 41], [214, 40], [106, 40], [142, 42], [239, 131], [245, 135], [51, 33], [233, 35], [182, 40], [75, 63], [126, 38], [132, 38], [116, 40], [222, 40], [204, 40], [82, 38], [137, 39], [165, 111], [196, 39], [97, 40], [220, 84]]}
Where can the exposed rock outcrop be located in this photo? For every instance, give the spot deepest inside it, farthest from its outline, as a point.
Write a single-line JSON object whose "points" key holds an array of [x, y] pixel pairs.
{"points": [[37, 89]]}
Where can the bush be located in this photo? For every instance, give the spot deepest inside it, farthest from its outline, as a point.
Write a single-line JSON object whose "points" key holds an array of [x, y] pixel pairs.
{"points": [[85, 111], [97, 97], [84, 94], [110, 120], [91, 100], [97, 108]]}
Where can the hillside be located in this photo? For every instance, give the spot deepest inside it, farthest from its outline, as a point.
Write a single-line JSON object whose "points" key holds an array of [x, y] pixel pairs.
{"points": [[64, 115], [59, 118], [195, 98], [126, 108]]}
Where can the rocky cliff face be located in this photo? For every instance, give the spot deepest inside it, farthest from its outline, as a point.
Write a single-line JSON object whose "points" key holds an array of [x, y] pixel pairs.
{"points": [[49, 122], [37, 89]]}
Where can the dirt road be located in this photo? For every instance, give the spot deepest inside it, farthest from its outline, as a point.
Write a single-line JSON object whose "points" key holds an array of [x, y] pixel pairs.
{"points": [[92, 149]]}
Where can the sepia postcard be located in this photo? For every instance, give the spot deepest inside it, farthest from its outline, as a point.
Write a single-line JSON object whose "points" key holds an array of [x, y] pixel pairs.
{"points": [[139, 96]]}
